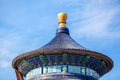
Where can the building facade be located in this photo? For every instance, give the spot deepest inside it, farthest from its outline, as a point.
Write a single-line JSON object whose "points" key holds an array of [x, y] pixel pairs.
{"points": [[62, 59]]}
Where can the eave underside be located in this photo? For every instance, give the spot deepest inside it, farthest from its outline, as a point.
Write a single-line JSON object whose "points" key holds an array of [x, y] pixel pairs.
{"points": [[101, 59]]}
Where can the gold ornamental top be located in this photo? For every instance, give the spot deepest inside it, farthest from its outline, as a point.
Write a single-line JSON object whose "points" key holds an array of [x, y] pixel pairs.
{"points": [[62, 17]]}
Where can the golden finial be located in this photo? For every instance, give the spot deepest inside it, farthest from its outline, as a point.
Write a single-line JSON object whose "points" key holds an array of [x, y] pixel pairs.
{"points": [[62, 17]]}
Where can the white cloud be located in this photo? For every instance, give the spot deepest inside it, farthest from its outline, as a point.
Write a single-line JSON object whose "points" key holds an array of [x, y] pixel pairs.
{"points": [[98, 26], [94, 21], [5, 64], [8, 45]]}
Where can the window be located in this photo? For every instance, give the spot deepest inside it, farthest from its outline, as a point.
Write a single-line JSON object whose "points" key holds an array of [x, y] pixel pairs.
{"points": [[74, 69], [52, 69]]}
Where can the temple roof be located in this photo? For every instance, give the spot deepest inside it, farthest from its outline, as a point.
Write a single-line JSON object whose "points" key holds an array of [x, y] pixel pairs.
{"points": [[62, 40]]}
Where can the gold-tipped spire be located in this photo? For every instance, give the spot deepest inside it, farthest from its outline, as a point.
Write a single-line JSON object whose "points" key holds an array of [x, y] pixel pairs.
{"points": [[62, 17]]}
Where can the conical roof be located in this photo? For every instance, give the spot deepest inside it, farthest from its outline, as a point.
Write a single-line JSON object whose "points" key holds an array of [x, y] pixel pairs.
{"points": [[62, 42]]}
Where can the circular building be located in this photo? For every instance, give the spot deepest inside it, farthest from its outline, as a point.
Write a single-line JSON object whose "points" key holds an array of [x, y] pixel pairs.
{"points": [[62, 59]]}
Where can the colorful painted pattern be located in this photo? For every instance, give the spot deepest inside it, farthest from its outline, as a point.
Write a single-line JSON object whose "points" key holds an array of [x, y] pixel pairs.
{"points": [[62, 69], [40, 60]]}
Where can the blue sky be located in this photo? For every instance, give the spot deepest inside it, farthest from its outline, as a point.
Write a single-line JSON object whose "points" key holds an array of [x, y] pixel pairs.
{"points": [[26, 25]]}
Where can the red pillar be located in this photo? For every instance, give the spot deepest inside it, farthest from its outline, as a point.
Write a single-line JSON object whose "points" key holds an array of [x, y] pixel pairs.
{"points": [[18, 75]]}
